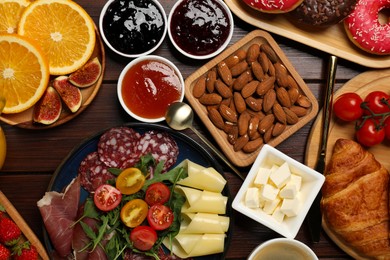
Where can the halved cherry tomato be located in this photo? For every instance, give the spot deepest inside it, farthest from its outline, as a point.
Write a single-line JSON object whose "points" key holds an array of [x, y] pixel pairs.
{"points": [[107, 197], [157, 193], [347, 107], [143, 237], [160, 217], [134, 212], [130, 181], [374, 101], [370, 133]]}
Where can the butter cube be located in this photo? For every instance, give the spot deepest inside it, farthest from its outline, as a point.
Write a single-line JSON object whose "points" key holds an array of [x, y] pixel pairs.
{"points": [[297, 180], [252, 198], [268, 192], [270, 206], [278, 215], [290, 207], [289, 191], [262, 176], [281, 176]]}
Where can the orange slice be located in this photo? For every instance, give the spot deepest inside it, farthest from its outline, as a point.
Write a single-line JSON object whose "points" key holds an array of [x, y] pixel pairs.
{"points": [[24, 73], [10, 13], [64, 30]]}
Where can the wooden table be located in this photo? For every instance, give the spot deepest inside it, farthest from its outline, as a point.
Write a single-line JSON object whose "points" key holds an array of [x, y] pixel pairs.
{"points": [[33, 156]]}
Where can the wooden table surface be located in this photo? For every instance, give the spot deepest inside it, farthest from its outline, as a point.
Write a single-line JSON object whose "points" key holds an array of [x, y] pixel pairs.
{"points": [[33, 156]]}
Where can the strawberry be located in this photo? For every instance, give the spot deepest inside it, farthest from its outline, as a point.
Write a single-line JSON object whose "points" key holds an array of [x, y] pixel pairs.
{"points": [[9, 232], [25, 251], [5, 253]]}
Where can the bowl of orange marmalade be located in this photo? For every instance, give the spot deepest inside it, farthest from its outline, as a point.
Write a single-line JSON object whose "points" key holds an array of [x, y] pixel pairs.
{"points": [[147, 86]]}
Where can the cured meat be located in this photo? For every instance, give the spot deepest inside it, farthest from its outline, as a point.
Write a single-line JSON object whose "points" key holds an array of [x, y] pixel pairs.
{"points": [[160, 145], [116, 147], [59, 211], [93, 172]]}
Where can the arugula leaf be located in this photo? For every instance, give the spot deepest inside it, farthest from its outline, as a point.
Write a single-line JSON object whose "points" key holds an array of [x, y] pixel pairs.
{"points": [[172, 176]]}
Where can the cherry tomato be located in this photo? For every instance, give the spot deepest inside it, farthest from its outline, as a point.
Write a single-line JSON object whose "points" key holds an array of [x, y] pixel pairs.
{"points": [[347, 107], [387, 127], [157, 193], [374, 101], [369, 134], [134, 212], [130, 181], [143, 237], [107, 197], [160, 217]]}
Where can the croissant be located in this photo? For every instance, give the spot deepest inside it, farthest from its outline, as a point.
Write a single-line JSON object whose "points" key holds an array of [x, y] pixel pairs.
{"points": [[355, 203]]}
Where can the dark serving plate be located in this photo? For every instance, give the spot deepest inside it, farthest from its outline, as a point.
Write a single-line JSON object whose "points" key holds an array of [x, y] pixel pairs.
{"points": [[188, 149]]}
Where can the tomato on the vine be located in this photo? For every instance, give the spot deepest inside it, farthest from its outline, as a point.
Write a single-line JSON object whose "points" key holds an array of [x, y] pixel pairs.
{"points": [[374, 101], [107, 197], [160, 217], [143, 237], [347, 107], [157, 193], [387, 127], [370, 133]]}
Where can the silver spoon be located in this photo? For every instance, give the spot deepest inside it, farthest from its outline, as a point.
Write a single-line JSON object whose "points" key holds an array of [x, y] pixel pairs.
{"points": [[180, 116]]}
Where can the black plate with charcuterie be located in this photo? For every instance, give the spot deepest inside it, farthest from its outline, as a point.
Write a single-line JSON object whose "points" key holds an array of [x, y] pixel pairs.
{"points": [[180, 147]]}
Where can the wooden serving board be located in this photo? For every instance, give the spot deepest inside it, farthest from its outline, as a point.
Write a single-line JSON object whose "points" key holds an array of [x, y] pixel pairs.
{"points": [[332, 40], [361, 84], [25, 119], [240, 158], [26, 230]]}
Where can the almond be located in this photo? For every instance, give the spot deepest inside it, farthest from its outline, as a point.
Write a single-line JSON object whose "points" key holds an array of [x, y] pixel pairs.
{"points": [[242, 80], [210, 99], [264, 61], [303, 101], [252, 53], [266, 123], [281, 74], [225, 73], [291, 117], [232, 135], [239, 102], [223, 89], [291, 82], [252, 145], [253, 132], [267, 49], [216, 118], [299, 111], [243, 123], [235, 58], [257, 70], [278, 129], [269, 100], [293, 93], [265, 85], [239, 68], [225, 102], [228, 127], [271, 69], [200, 87], [283, 97], [227, 113], [240, 142], [256, 104], [279, 113], [249, 88], [268, 134], [210, 80]]}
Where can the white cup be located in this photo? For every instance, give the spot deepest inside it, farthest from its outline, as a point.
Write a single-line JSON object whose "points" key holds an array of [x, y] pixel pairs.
{"points": [[282, 248]]}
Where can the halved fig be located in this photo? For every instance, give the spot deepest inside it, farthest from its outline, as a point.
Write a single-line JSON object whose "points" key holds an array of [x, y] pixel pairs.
{"points": [[48, 109], [70, 94], [87, 75]]}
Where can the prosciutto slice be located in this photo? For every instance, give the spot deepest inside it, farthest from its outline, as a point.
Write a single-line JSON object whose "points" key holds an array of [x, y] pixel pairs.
{"points": [[59, 211]]}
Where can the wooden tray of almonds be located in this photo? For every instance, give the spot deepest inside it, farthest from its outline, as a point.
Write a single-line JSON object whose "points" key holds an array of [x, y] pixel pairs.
{"points": [[250, 95]]}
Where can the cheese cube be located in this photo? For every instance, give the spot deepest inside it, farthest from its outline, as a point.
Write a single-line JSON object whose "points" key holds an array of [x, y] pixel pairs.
{"points": [[290, 207], [252, 198], [270, 206], [289, 191], [281, 176], [297, 180], [262, 176], [268, 192], [278, 215]]}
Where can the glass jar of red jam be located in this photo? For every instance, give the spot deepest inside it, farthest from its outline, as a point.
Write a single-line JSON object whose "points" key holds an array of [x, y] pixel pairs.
{"points": [[148, 85]]}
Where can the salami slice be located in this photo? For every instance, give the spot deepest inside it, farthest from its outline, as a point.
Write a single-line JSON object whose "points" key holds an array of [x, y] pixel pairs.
{"points": [[160, 145], [116, 147]]}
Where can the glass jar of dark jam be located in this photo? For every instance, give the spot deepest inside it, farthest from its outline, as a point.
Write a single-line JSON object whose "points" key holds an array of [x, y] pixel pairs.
{"points": [[133, 26], [199, 27]]}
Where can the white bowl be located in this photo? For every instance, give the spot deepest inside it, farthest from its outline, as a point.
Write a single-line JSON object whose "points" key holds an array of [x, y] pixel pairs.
{"points": [[312, 182], [108, 42], [151, 83], [209, 55], [282, 248]]}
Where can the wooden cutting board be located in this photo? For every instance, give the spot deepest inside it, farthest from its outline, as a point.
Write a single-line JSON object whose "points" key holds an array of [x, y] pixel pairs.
{"points": [[361, 84]]}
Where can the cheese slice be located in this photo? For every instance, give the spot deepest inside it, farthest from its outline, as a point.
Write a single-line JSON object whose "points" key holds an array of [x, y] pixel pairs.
{"points": [[199, 223]]}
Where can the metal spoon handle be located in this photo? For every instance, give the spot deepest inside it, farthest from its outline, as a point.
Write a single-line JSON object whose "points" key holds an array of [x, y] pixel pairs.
{"points": [[218, 153]]}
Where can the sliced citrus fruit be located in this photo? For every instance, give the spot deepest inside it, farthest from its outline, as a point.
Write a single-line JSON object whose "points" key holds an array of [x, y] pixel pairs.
{"points": [[10, 13], [24, 72], [64, 30]]}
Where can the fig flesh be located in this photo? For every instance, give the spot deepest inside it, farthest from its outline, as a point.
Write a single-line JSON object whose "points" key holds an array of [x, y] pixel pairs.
{"points": [[70, 94], [48, 109], [87, 75]]}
